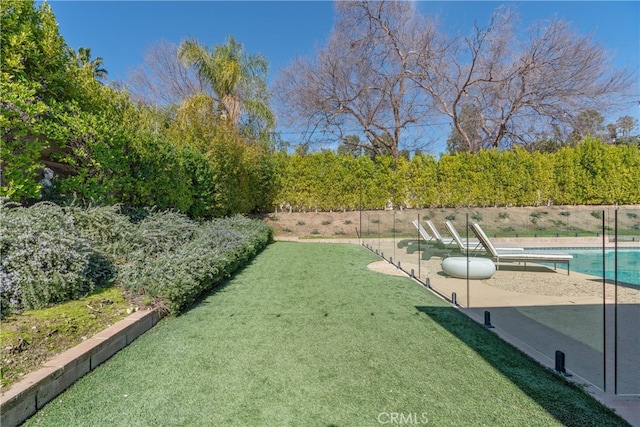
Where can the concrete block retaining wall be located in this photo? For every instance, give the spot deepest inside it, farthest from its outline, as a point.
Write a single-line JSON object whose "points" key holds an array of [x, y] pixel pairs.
{"points": [[26, 397]]}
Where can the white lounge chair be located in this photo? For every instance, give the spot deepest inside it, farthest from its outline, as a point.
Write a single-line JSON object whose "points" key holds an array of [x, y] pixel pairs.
{"points": [[443, 241], [426, 236], [474, 245], [519, 256]]}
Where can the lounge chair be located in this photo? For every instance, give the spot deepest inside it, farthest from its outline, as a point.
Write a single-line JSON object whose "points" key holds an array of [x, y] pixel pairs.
{"points": [[474, 245], [432, 246], [426, 236], [519, 256], [443, 241]]}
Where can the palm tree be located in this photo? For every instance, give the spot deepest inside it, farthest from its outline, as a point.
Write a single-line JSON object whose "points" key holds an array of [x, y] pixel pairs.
{"points": [[83, 59], [236, 78]]}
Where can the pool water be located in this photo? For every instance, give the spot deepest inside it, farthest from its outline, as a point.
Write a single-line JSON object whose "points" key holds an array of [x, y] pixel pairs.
{"points": [[589, 261]]}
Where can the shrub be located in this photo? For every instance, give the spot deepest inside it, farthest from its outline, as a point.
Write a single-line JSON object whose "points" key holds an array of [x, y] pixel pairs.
{"points": [[565, 213], [45, 258], [535, 216], [451, 217], [476, 217], [53, 254], [503, 215], [596, 214], [161, 232], [106, 227], [326, 222], [180, 272], [632, 215]]}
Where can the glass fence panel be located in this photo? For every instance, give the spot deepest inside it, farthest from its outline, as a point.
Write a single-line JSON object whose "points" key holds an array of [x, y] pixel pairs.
{"points": [[400, 237], [624, 271], [407, 246], [565, 280], [443, 251], [386, 234], [370, 230], [540, 294], [562, 309]]}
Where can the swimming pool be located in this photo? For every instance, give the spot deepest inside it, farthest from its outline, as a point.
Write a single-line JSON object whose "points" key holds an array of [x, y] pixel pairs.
{"points": [[589, 261]]}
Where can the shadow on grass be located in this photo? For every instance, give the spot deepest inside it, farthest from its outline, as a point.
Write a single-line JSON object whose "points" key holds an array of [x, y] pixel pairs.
{"points": [[218, 286], [563, 399]]}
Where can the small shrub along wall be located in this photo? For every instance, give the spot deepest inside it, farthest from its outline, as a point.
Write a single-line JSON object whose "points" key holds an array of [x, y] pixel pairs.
{"points": [[52, 254]]}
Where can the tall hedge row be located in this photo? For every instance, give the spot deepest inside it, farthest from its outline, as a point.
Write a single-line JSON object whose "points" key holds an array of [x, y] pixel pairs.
{"points": [[591, 173]]}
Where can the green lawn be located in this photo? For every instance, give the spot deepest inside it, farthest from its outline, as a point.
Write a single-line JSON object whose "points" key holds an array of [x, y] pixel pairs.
{"points": [[306, 335]]}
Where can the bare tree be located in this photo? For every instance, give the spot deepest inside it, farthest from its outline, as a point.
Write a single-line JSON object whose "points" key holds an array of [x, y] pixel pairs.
{"points": [[358, 84], [626, 124], [163, 78], [469, 120], [518, 86]]}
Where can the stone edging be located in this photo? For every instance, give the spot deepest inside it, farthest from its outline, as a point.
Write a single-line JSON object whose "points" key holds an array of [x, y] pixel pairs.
{"points": [[26, 397]]}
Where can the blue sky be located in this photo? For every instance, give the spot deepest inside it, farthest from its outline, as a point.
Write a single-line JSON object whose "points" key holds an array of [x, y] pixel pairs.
{"points": [[121, 31]]}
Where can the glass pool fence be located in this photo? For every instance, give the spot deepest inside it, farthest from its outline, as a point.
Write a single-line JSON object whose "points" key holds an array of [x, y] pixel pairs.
{"points": [[564, 281]]}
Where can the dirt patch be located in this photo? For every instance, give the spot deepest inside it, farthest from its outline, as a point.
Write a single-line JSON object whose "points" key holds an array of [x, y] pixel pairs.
{"points": [[552, 221]]}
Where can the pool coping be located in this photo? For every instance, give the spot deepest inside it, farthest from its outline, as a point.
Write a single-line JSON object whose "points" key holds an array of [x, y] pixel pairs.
{"points": [[24, 398]]}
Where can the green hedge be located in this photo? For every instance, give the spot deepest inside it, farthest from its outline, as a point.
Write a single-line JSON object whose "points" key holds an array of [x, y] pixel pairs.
{"points": [[591, 173], [52, 254], [104, 148], [178, 263]]}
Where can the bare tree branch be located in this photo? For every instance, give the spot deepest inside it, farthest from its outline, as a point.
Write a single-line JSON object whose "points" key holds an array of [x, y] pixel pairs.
{"points": [[359, 83], [387, 68], [163, 79], [518, 84]]}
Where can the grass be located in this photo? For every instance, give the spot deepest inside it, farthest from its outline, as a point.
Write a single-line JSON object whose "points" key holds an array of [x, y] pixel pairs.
{"points": [[31, 338], [307, 335]]}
